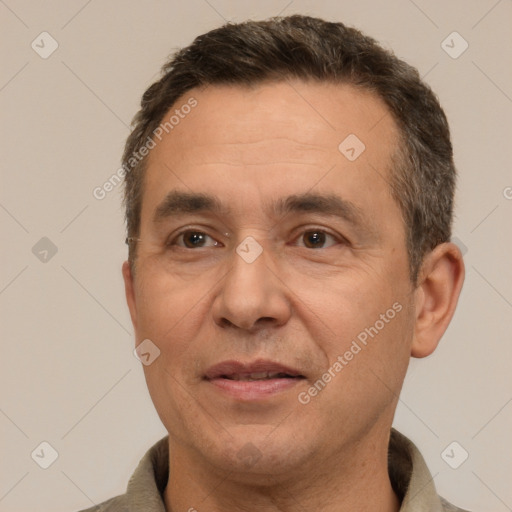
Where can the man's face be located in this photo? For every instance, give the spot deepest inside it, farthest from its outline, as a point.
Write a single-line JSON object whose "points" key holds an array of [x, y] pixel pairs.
{"points": [[244, 335]]}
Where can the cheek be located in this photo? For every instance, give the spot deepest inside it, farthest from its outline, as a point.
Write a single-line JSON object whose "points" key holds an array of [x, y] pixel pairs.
{"points": [[345, 303], [372, 363], [364, 320], [170, 312]]}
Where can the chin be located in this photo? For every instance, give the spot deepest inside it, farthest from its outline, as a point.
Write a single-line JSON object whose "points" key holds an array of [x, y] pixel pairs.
{"points": [[256, 457]]}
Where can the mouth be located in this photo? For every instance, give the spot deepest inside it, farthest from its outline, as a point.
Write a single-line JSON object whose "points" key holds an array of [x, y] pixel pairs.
{"points": [[258, 376], [252, 381]]}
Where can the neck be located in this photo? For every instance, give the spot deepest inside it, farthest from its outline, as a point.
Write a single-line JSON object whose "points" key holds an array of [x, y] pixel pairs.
{"points": [[355, 479]]}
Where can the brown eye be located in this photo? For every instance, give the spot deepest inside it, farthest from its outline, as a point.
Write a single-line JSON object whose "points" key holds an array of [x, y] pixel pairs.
{"points": [[317, 239], [193, 240]]}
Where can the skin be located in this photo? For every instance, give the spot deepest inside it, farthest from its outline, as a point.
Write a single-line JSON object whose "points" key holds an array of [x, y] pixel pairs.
{"points": [[297, 303]]}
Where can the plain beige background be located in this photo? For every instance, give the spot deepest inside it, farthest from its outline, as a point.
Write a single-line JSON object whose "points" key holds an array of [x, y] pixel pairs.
{"points": [[68, 374]]}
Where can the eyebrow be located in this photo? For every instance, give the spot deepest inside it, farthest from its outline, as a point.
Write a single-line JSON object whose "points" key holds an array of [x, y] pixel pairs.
{"points": [[179, 203], [326, 204]]}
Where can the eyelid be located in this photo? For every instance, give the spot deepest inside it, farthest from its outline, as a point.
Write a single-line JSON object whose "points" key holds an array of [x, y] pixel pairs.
{"points": [[170, 240], [304, 229]]}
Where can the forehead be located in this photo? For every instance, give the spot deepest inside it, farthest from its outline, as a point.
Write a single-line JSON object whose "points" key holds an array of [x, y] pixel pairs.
{"points": [[312, 112], [283, 136]]}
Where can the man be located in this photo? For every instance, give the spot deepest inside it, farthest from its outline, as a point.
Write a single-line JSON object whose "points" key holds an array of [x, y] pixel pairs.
{"points": [[289, 190]]}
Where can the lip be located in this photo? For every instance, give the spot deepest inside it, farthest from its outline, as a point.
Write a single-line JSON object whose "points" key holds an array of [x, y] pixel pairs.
{"points": [[218, 375]]}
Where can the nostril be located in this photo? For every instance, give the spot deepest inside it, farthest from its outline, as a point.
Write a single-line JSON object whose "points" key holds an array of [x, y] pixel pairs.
{"points": [[224, 322]]}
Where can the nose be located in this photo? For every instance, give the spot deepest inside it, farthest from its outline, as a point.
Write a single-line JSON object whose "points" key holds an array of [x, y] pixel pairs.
{"points": [[252, 296]]}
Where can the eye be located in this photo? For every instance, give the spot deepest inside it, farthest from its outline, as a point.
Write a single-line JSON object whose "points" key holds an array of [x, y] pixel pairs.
{"points": [[191, 239], [316, 239]]}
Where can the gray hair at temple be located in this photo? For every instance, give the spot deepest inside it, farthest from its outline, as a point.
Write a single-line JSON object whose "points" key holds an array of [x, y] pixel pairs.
{"points": [[423, 174]]}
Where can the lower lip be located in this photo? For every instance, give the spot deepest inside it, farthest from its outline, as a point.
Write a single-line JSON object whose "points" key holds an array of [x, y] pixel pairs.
{"points": [[255, 389]]}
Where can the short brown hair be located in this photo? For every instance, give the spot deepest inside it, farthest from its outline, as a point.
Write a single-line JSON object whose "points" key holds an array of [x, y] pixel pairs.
{"points": [[423, 174]]}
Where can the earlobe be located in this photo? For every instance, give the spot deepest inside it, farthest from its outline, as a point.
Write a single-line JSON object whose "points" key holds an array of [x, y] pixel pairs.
{"points": [[129, 288], [437, 294]]}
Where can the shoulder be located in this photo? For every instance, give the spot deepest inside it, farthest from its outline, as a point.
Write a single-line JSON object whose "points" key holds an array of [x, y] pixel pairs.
{"points": [[146, 485], [117, 504], [448, 507], [411, 478]]}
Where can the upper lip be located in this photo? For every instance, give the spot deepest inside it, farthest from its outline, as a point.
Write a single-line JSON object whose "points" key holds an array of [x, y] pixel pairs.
{"points": [[229, 368]]}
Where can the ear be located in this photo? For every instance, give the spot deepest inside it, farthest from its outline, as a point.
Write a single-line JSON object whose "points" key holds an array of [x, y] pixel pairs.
{"points": [[440, 282], [129, 289]]}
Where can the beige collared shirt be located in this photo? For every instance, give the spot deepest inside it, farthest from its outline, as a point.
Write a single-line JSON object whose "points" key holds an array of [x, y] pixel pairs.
{"points": [[409, 475]]}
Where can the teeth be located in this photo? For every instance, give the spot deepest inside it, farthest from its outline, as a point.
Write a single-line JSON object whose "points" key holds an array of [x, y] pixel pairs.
{"points": [[257, 376]]}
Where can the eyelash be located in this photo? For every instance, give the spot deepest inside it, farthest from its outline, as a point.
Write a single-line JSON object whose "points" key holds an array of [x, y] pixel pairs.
{"points": [[172, 242]]}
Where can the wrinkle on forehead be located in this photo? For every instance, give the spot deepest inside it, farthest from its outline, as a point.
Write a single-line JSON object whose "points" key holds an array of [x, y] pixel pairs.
{"points": [[263, 151], [252, 143], [308, 110]]}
